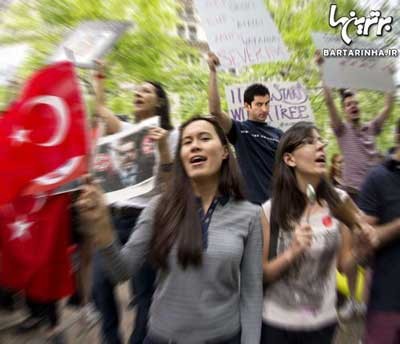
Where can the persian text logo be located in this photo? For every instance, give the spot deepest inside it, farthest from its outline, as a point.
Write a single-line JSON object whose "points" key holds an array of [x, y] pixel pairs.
{"points": [[363, 24]]}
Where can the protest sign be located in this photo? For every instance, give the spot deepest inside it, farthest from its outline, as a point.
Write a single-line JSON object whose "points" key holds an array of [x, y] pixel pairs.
{"points": [[124, 163], [89, 42], [241, 32], [11, 57], [360, 66], [4, 4], [289, 103]]}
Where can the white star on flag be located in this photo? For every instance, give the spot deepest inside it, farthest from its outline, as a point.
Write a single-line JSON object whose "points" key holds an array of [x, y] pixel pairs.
{"points": [[20, 228], [20, 136]]}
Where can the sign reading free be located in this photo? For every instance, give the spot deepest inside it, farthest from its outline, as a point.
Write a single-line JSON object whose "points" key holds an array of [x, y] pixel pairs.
{"points": [[289, 103]]}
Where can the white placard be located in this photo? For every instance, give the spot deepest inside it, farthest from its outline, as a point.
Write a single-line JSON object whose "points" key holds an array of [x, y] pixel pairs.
{"points": [[124, 163], [11, 57], [4, 4], [241, 32], [289, 103], [89, 42], [368, 72]]}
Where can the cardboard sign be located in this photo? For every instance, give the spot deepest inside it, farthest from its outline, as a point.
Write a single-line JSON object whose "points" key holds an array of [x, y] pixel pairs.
{"points": [[241, 32], [89, 42], [357, 72], [289, 103], [4, 4], [124, 163]]}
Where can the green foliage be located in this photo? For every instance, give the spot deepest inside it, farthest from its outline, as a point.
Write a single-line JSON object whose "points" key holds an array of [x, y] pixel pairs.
{"points": [[142, 53], [150, 51], [296, 20]]}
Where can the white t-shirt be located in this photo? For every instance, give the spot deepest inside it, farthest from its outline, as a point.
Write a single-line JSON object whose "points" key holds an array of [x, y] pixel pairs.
{"points": [[304, 298]]}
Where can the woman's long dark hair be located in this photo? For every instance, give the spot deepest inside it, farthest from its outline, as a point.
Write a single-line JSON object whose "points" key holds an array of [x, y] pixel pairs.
{"points": [[163, 110], [288, 201], [176, 215], [332, 169]]}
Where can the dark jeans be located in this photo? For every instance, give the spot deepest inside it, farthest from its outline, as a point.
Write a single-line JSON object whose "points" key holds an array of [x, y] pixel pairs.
{"points": [[232, 340], [45, 310], [271, 334], [6, 299], [103, 290], [382, 327]]}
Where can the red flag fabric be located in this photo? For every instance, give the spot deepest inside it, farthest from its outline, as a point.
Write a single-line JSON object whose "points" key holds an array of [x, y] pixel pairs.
{"points": [[35, 238], [43, 135]]}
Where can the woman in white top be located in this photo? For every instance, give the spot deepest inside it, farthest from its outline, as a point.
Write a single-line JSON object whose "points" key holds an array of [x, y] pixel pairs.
{"points": [[304, 242]]}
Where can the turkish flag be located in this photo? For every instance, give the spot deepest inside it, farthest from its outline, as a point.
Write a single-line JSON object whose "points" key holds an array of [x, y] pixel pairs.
{"points": [[35, 240], [43, 135]]}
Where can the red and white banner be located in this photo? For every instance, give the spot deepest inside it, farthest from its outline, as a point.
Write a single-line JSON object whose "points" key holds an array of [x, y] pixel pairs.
{"points": [[43, 135], [34, 240]]}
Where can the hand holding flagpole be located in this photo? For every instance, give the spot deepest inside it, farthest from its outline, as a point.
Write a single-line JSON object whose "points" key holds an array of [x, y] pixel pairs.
{"points": [[95, 213]]}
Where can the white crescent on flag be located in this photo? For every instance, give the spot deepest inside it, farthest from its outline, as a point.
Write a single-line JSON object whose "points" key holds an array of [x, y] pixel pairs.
{"points": [[44, 134], [69, 171], [61, 114]]}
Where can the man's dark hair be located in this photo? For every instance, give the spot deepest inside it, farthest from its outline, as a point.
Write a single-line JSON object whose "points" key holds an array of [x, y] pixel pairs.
{"points": [[255, 90], [345, 93]]}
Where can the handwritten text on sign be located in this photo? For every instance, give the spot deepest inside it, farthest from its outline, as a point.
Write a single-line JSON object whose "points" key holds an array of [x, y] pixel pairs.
{"points": [[241, 32], [289, 103], [366, 72]]}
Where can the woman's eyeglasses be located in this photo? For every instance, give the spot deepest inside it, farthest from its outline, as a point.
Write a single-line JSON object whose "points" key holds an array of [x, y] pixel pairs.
{"points": [[314, 141]]}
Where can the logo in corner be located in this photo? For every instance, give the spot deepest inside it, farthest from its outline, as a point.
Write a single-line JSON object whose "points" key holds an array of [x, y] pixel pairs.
{"points": [[363, 24]]}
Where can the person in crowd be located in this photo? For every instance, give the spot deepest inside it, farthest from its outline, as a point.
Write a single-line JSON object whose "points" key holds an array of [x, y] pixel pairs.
{"points": [[150, 99], [336, 171], [255, 140], [126, 160], [49, 313], [304, 242], [204, 239], [351, 306], [380, 201], [357, 142], [81, 254], [10, 312]]}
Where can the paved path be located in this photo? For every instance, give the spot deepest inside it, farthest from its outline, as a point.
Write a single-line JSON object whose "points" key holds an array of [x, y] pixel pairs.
{"points": [[76, 332]]}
